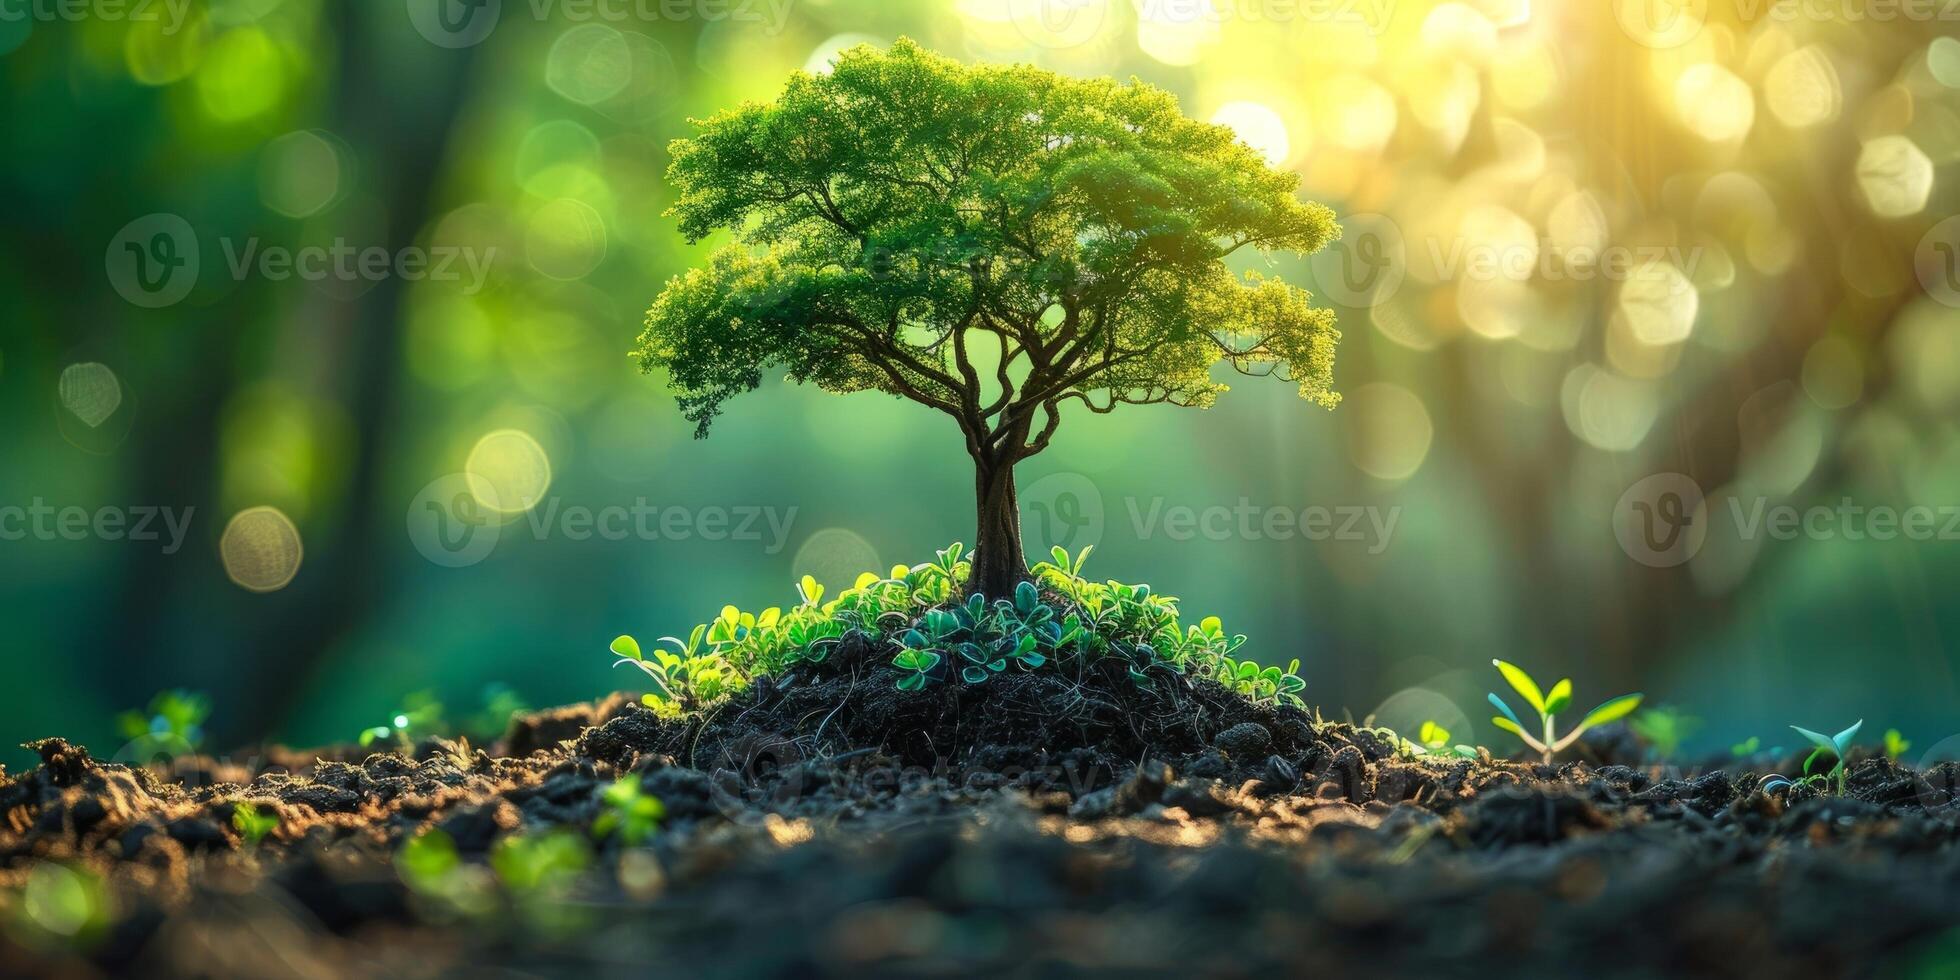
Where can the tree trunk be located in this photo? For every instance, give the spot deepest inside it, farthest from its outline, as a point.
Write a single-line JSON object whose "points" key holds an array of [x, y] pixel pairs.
{"points": [[998, 564]]}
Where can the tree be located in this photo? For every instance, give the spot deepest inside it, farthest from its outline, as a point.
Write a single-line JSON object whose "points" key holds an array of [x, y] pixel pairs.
{"points": [[988, 241]]}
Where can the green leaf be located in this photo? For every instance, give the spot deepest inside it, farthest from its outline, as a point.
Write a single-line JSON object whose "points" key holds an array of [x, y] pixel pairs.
{"points": [[912, 682], [627, 647], [1508, 713], [1509, 726], [1523, 684], [1843, 739], [1560, 698], [975, 675], [1612, 710]]}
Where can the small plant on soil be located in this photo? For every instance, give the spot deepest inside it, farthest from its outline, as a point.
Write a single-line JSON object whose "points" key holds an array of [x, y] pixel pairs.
{"points": [[1836, 746], [991, 242], [420, 716], [252, 823], [1896, 745], [1431, 740], [936, 633], [630, 812], [1664, 728], [1747, 747], [173, 722], [1549, 706]]}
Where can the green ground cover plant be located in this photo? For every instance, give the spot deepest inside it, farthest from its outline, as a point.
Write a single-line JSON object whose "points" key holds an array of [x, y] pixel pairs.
{"points": [[937, 633]]}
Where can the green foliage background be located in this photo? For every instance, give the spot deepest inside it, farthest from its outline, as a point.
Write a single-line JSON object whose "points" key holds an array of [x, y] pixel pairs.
{"points": [[339, 402]]}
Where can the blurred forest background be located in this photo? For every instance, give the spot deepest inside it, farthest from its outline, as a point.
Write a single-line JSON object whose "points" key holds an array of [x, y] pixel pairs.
{"points": [[1780, 175]]}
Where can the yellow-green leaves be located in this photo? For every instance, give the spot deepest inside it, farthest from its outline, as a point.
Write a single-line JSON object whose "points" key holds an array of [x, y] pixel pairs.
{"points": [[626, 647], [1548, 707], [1524, 685], [1611, 711], [1560, 698]]}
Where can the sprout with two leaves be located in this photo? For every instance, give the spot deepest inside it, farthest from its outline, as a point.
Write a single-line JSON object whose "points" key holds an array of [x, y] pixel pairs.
{"points": [[1837, 746], [1549, 706]]}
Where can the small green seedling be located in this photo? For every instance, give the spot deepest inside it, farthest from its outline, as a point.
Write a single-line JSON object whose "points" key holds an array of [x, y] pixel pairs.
{"points": [[1896, 745], [543, 864], [500, 704], [1747, 747], [1431, 740], [172, 724], [252, 823], [420, 716], [1664, 728], [630, 811], [1836, 745], [1549, 706]]}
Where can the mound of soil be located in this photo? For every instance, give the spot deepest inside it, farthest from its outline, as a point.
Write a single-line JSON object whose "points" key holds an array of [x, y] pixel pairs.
{"points": [[828, 824]]}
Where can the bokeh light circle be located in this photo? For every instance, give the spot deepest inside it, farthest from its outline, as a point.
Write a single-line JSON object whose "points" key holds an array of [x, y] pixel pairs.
{"points": [[835, 557], [588, 64], [508, 471], [1389, 430], [261, 549]]}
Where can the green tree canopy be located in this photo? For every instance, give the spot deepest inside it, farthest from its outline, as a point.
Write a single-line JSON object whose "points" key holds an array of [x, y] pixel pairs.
{"points": [[989, 241]]}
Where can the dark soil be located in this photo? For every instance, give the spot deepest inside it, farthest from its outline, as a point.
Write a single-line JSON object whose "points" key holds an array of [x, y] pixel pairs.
{"points": [[1043, 825]]}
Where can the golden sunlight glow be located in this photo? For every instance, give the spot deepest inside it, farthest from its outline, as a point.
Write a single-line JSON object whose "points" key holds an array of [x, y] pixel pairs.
{"points": [[1355, 112], [1714, 103], [1802, 88], [1896, 176], [508, 472], [1177, 33], [1259, 127], [1659, 303], [1388, 429], [821, 59]]}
